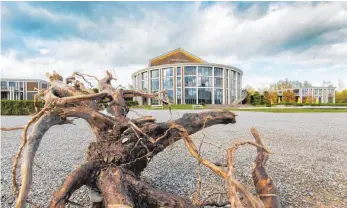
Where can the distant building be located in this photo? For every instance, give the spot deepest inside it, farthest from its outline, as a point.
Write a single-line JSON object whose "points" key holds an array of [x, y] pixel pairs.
{"points": [[21, 89], [189, 80], [320, 94]]}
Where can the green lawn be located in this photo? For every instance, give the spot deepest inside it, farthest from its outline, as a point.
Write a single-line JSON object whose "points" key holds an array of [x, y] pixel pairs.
{"points": [[295, 110]]}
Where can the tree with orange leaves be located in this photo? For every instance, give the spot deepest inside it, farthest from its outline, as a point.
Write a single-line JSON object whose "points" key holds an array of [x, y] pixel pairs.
{"points": [[270, 97], [289, 96]]}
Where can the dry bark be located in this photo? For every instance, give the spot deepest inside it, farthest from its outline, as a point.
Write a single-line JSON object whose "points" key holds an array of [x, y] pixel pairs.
{"points": [[124, 147]]}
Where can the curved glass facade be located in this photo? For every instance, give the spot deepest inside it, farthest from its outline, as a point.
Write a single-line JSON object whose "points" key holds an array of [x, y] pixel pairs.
{"points": [[191, 83]]}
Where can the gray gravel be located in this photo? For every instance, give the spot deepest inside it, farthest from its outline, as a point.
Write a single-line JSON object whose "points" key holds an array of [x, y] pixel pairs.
{"points": [[309, 167]]}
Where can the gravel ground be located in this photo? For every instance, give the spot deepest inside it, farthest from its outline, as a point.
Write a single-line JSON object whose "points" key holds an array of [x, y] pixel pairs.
{"points": [[309, 167]]}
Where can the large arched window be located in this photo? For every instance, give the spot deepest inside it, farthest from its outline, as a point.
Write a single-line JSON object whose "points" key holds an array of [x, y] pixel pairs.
{"points": [[154, 84], [168, 82], [218, 85], [190, 95]]}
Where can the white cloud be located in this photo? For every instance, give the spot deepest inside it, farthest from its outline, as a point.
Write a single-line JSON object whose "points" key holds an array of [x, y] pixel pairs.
{"points": [[38, 12], [4, 11], [251, 41]]}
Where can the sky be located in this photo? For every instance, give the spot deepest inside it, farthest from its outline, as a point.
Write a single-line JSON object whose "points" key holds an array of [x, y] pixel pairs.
{"points": [[268, 41]]}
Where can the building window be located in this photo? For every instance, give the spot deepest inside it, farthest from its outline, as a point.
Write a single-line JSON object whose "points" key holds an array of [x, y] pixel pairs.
{"points": [[315, 91], [179, 71], [232, 85], [218, 82], [331, 91], [44, 86], [154, 85], [179, 85], [205, 95], [190, 70], [170, 94], [204, 71], [168, 82], [179, 82], [4, 95], [155, 73], [30, 95], [154, 81], [190, 81], [3, 85], [218, 72], [167, 72], [144, 81], [204, 81], [227, 86], [12, 84], [190, 95], [218, 96], [238, 86]]}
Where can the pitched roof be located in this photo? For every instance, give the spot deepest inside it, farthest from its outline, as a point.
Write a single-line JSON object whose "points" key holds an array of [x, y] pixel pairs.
{"points": [[186, 53]]}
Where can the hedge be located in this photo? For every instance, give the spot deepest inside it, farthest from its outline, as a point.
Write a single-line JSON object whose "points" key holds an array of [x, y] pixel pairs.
{"points": [[18, 107], [311, 104], [327, 104], [131, 103]]}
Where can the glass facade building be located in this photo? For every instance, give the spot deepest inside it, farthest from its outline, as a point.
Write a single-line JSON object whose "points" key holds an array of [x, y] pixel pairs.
{"points": [[21, 89], [194, 82]]}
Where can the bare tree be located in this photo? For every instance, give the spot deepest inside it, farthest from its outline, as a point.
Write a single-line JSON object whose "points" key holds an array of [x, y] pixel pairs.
{"points": [[340, 85], [327, 84], [124, 147]]}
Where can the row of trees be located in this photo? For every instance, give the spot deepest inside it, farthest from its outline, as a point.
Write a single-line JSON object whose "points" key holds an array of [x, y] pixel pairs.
{"points": [[269, 96], [286, 83], [341, 97]]}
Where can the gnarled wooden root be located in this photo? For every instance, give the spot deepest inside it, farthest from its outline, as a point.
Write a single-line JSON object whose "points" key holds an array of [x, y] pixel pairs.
{"points": [[124, 147], [264, 185], [83, 175], [111, 184], [43, 124], [147, 196]]}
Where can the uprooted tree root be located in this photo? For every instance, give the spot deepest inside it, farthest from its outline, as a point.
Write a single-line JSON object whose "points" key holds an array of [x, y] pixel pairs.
{"points": [[124, 147]]}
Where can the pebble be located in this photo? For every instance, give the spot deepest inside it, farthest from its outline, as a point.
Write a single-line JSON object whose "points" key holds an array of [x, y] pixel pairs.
{"points": [[310, 152]]}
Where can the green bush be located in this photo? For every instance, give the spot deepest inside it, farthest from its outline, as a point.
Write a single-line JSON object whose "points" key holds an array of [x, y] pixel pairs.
{"points": [[287, 103], [340, 104], [18, 107], [326, 104], [268, 105], [131, 103], [256, 99]]}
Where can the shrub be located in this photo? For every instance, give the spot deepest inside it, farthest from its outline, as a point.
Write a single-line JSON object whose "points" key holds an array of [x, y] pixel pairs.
{"points": [[131, 103], [326, 104], [288, 96], [268, 105], [287, 103], [18, 107], [256, 99]]}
